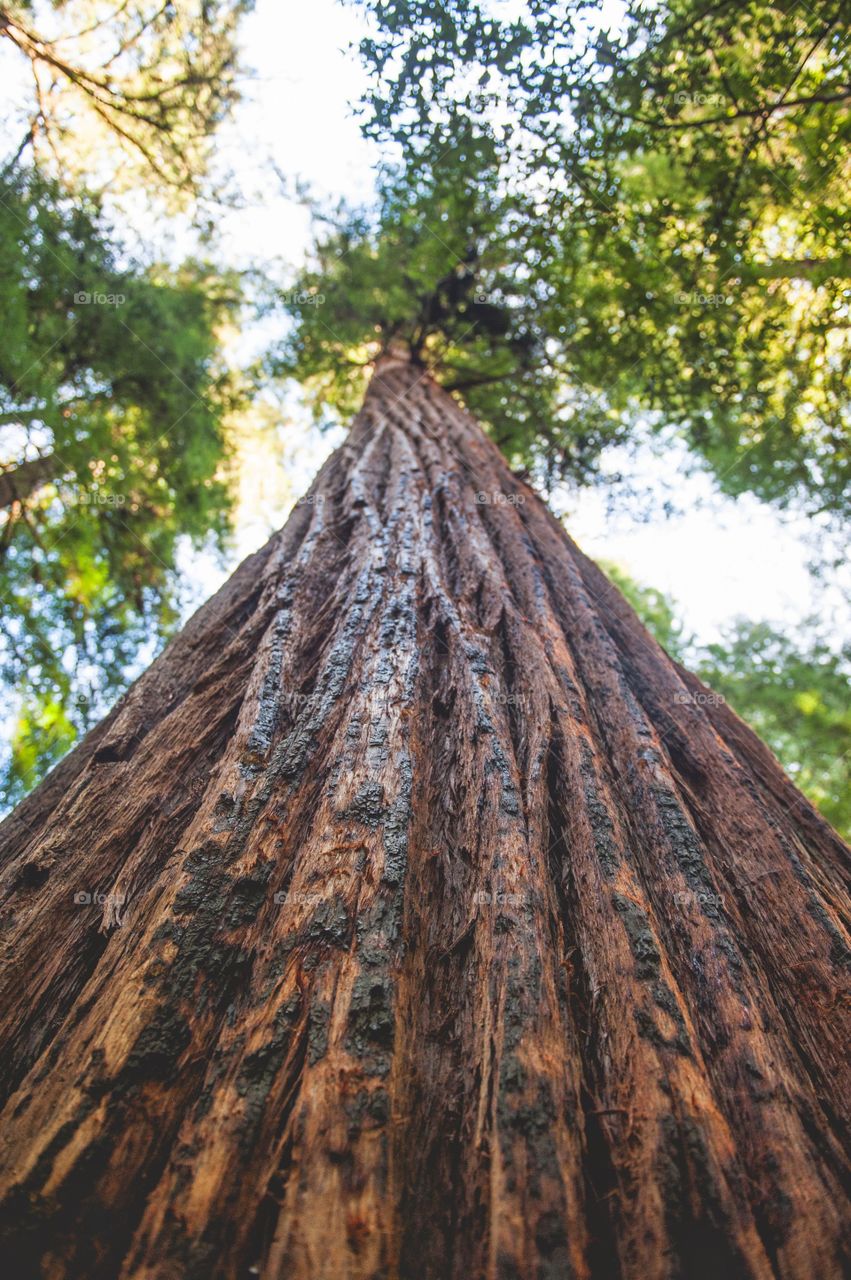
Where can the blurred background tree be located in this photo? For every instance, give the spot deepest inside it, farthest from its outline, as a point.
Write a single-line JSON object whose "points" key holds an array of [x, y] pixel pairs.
{"points": [[129, 93], [115, 393], [791, 689], [112, 401]]}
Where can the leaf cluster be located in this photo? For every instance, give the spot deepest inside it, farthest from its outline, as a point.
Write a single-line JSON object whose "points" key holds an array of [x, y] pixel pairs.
{"points": [[688, 176], [112, 446]]}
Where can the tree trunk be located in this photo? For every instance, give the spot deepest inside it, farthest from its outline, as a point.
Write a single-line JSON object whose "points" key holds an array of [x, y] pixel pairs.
{"points": [[20, 482], [416, 916]]}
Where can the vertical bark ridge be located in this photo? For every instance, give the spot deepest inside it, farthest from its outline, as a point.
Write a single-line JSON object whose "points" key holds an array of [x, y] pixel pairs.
{"points": [[654, 797], [440, 925]]}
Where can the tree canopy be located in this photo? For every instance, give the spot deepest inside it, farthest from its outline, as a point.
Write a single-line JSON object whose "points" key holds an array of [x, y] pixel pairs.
{"points": [[442, 266], [113, 387], [112, 399], [655, 219], [129, 93]]}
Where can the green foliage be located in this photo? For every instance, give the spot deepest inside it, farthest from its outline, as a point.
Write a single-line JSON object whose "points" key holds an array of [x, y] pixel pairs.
{"points": [[793, 691], [690, 175], [112, 402], [113, 395], [41, 736], [654, 608], [128, 94], [446, 267]]}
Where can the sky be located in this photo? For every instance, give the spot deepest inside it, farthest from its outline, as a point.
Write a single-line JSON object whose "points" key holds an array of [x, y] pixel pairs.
{"points": [[717, 557]]}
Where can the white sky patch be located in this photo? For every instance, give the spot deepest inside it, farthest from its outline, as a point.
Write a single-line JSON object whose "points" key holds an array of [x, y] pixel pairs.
{"points": [[721, 561], [294, 121]]}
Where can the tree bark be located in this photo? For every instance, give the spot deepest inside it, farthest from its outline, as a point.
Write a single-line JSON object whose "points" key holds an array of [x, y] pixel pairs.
{"points": [[20, 482], [416, 916]]}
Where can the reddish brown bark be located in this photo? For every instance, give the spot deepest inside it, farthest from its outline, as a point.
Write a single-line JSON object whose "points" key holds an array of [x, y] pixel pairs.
{"points": [[449, 929]]}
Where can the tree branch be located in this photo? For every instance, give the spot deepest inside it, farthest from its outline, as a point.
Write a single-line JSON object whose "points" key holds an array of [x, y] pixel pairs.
{"points": [[21, 482]]}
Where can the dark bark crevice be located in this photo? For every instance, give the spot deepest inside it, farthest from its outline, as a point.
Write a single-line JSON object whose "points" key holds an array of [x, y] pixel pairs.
{"points": [[600, 1176]]}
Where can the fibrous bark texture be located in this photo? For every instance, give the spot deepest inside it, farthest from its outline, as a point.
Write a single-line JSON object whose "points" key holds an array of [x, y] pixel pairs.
{"points": [[416, 916]]}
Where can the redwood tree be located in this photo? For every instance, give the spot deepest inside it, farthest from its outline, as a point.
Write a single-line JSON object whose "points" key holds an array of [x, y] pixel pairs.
{"points": [[416, 916]]}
